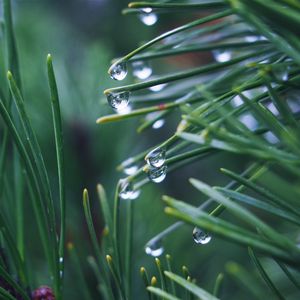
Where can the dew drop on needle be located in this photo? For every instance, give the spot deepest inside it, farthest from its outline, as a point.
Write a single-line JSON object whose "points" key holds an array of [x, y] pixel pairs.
{"points": [[154, 249], [127, 191], [141, 70], [157, 175], [118, 101], [118, 71], [157, 157], [147, 16], [200, 236]]}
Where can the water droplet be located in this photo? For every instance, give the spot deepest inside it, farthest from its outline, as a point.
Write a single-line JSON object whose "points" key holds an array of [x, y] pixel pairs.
{"points": [[200, 236], [252, 38], [157, 175], [221, 55], [158, 124], [127, 191], [129, 167], [148, 17], [118, 71], [61, 273], [61, 260], [130, 170], [281, 73], [156, 158], [118, 101], [124, 110], [154, 249], [155, 116], [141, 70], [157, 88]]}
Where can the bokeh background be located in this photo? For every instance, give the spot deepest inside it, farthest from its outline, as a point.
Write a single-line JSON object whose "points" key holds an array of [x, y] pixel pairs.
{"points": [[83, 37]]}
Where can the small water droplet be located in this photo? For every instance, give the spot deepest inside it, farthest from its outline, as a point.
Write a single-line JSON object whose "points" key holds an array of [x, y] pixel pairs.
{"points": [[127, 191], [200, 236], [147, 16], [61, 260], [118, 71], [252, 38], [281, 73], [130, 170], [154, 249], [157, 88], [141, 70], [221, 55], [157, 175], [61, 273], [156, 158], [158, 124], [118, 101]]}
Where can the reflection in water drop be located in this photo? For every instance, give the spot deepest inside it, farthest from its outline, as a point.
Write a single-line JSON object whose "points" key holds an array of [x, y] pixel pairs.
{"points": [[127, 191], [118, 101], [222, 55], [154, 249], [141, 70], [157, 175], [147, 16], [156, 158], [200, 236], [118, 71], [124, 110]]}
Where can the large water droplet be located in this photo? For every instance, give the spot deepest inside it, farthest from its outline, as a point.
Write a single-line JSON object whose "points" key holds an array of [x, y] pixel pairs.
{"points": [[118, 71], [127, 191], [154, 249], [141, 70], [118, 101], [157, 175], [156, 158], [148, 17], [157, 88], [222, 55], [200, 236]]}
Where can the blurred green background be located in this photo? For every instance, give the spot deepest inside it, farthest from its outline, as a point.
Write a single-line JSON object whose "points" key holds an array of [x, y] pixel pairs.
{"points": [[83, 37]]}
